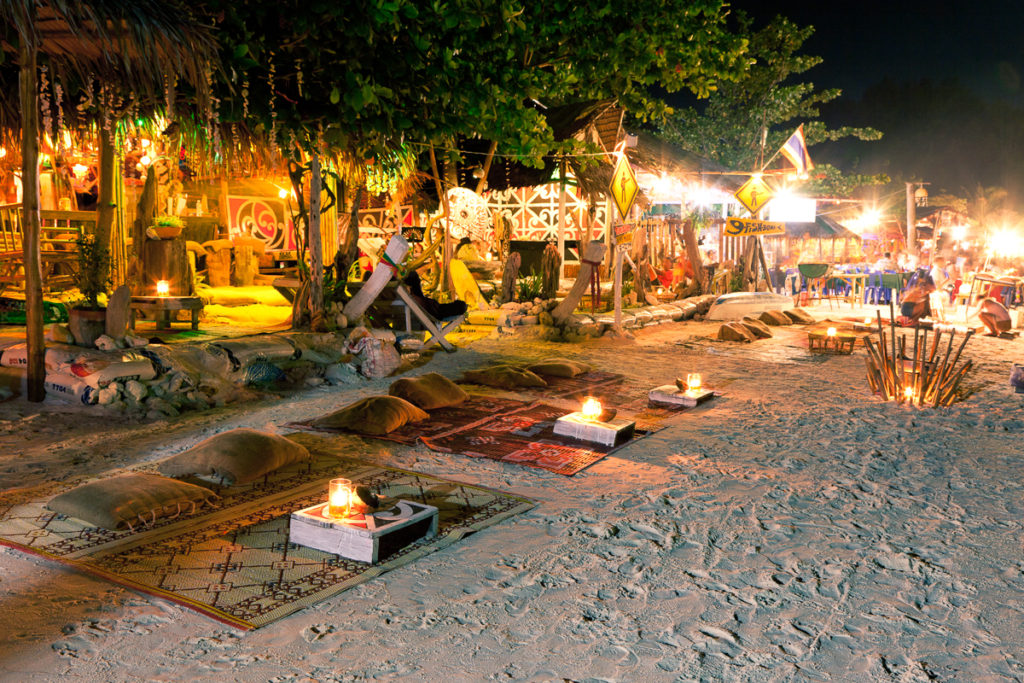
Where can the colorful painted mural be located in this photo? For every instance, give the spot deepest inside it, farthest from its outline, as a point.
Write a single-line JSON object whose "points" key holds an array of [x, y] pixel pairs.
{"points": [[534, 212]]}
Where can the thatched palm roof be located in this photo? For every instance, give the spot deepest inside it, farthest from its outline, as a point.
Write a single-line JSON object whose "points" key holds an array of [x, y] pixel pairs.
{"points": [[131, 46]]}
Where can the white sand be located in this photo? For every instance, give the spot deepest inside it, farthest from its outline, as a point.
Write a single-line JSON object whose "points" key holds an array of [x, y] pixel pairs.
{"points": [[796, 529]]}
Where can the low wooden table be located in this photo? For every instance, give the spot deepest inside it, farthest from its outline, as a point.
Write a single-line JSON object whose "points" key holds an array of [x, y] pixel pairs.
{"points": [[164, 305]]}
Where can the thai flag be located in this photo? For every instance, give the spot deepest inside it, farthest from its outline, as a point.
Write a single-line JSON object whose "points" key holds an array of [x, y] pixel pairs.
{"points": [[795, 149]]}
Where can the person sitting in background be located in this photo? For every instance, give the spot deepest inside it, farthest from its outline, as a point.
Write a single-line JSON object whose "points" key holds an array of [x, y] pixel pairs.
{"points": [[914, 305], [885, 263], [994, 317]]}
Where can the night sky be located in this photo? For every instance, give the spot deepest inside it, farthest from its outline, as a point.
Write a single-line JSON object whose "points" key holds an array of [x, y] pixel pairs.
{"points": [[980, 43]]}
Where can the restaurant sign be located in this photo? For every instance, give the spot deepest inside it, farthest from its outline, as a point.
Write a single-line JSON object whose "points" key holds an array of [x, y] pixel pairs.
{"points": [[741, 227], [624, 233]]}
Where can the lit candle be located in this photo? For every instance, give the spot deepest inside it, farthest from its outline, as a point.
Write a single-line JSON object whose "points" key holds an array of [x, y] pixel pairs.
{"points": [[339, 498], [661, 290], [163, 288], [591, 409], [909, 393], [693, 382], [867, 321]]}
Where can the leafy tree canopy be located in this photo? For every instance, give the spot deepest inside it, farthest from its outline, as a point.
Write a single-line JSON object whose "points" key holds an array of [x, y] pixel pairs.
{"points": [[746, 120]]}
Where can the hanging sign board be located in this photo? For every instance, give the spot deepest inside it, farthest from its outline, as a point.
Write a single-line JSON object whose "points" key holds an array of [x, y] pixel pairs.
{"points": [[624, 187], [754, 194], [740, 227], [624, 233]]}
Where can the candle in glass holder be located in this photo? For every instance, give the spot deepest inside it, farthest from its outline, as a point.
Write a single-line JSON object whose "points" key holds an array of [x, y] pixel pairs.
{"points": [[591, 409], [163, 288], [339, 498], [693, 382]]}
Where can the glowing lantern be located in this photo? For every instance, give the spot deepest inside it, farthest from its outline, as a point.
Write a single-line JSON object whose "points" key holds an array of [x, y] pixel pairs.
{"points": [[908, 393], [146, 160], [339, 498], [831, 332], [693, 382], [163, 288], [591, 409], [3, 152], [283, 194]]}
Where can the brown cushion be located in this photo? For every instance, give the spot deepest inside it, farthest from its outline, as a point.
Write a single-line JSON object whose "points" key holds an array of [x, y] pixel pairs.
{"points": [[504, 377], [734, 332], [799, 316], [236, 457], [559, 367], [374, 415], [756, 328], [429, 391], [775, 318], [130, 500]]}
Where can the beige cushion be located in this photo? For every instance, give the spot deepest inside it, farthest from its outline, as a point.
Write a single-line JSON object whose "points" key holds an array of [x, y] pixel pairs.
{"points": [[505, 377], [130, 500], [559, 367], [236, 457], [734, 332], [429, 391], [756, 328], [775, 318], [799, 316], [374, 415]]}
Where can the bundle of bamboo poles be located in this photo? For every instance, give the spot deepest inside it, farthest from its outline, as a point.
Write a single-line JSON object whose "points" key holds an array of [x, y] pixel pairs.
{"points": [[928, 381]]}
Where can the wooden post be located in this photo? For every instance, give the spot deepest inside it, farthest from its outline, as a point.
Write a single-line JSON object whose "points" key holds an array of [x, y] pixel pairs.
{"points": [[395, 252], [593, 254], [315, 244], [446, 246], [35, 347], [617, 293], [508, 277], [693, 253], [561, 220]]}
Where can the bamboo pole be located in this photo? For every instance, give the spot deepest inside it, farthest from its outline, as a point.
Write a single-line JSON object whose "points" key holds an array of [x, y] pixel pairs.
{"points": [[950, 393], [914, 375], [936, 385], [956, 358]]}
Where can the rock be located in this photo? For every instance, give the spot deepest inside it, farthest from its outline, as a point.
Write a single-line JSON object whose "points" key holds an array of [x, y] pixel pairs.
{"points": [[510, 306], [734, 332], [60, 333], [161, 406], [108, 394], [775, 318], [545, 318], [339, 373], [135, 342], [136, 389], [106, 343], [756, 328], [551, 305], [118, 312], [314, 381], [341, 321], [536, 309]]}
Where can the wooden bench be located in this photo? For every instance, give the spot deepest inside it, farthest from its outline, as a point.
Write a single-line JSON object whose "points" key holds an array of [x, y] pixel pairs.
{"points": [[58, 248]]}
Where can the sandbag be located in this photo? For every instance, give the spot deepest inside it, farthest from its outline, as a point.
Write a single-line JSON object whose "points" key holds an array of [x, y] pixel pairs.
{"points": [[101, 372], [799, 316], [267, 347], [735, 332], [775, 318], [756, 328], [69, 387]]}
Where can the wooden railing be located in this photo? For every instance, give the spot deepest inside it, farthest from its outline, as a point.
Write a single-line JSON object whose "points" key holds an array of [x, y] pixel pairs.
{"points": [[59, 232]]}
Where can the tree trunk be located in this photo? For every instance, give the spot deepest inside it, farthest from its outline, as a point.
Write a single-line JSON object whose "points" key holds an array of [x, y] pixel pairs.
{"points": [[693, 254], [315, 243], [35, 346], [551, 264], [508, 277]]}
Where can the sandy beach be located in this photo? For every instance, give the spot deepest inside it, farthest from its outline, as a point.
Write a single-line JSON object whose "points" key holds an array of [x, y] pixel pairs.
{"points": [[796, 528]]}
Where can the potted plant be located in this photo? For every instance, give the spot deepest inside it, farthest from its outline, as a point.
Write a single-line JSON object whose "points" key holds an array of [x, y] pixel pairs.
{"points": [[87, 318], [167, 227]]}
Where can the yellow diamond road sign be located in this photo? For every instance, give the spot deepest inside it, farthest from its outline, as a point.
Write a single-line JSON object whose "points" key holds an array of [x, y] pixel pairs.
{"points": [[754, 194], [624, 187]]}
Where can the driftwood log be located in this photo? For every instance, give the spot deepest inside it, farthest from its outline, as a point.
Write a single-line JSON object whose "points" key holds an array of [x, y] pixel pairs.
{"points": [[508, 278], [591, 259], [693, 254], [382, 274], [551, 265]]}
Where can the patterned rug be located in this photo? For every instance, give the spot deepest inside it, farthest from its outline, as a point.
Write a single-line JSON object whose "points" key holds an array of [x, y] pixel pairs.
{"points": [[234, 563], [504, 429]]}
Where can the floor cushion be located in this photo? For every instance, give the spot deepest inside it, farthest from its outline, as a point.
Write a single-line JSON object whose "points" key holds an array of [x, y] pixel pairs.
{"points": [[237, 456], [559, 367], [131, 499], [429, 391], [373, 415], [504, 377]]}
